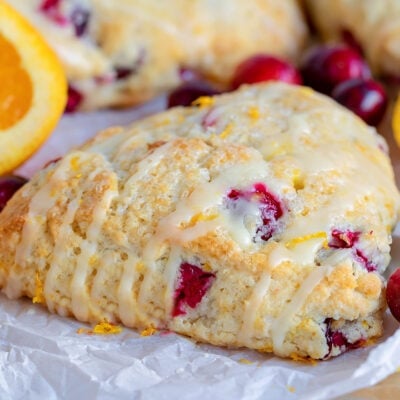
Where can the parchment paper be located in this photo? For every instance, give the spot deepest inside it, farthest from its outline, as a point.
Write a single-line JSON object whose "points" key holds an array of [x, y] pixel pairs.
{"points": [[43, 357]]}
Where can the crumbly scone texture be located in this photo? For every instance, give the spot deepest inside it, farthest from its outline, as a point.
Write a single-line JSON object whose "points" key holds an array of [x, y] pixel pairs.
{"points": [[375, 25], [125, 52], [260, 218]]}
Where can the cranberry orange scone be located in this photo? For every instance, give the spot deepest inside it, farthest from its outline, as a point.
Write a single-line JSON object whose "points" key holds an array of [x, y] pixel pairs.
{"points": [[124, 52], [259, 218], [374, 25]]}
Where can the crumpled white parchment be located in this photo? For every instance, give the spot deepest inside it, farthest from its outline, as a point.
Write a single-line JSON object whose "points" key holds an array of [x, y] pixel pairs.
{"points": [[43, 357]]}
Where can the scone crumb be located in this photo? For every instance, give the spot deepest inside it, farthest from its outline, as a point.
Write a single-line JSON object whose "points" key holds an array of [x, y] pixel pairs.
{"points": [[307, 360], [204, 101], [245, 361], [148, 331], [291, 389], [39, 297]]}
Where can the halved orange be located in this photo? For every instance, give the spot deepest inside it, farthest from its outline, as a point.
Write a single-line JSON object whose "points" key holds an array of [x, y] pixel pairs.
{"points": [[33, 89]]}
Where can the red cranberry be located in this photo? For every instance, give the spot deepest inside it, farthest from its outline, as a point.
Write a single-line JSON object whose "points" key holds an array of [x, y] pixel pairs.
{"points": [[269, 205], [263, 67], [51, 8], [363, 259], [324, 67], [185, 94], [351, 41], [8, 186], [123, 72], [393, 294], [47, 5], [338, 339], [193, 284], [74, 99], [343, 239], [80, 20], [366, 98]]}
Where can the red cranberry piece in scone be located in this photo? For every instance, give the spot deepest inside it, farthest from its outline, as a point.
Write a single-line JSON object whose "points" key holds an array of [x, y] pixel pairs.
{"points": [[193, 284], [51, 9], [269, 208], [75, 98], [337, 339], [348, 240]]}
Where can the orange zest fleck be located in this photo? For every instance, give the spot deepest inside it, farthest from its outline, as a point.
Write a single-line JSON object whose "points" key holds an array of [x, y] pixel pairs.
{"points": [[39, 296], [203, 101], [102, 328], [148, 331]]}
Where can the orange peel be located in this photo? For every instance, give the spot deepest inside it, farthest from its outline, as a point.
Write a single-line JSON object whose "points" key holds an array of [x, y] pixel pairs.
{"points": [[396, 121], [33, 90]]}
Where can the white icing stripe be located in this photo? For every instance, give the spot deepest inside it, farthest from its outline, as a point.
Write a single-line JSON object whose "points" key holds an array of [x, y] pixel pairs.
{"points": [[170, 275], [65, 232], [80, 300], [282, 324], [126, 300], [146, 165], [40, 203], [252, 305]]}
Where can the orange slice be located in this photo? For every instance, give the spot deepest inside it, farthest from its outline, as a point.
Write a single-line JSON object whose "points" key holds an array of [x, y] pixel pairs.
{"points": [[33, 89], [396, 121]]}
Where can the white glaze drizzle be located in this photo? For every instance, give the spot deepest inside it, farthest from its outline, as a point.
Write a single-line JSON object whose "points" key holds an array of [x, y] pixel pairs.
{"points": [[58, 256], [126, 300], [39, 205], [251, 307], [170, 275], [282, 324], [80, 299]]}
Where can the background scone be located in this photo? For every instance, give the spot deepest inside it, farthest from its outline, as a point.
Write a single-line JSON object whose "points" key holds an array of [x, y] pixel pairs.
{"points": [[266, 225], [124, 52], [375, 25]]}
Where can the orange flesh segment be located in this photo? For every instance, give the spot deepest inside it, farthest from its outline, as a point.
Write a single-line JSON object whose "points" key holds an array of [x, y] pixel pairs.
{"points": [[16, 90]]}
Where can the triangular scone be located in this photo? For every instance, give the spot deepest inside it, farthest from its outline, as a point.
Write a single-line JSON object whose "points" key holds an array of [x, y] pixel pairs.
{"points": [[277, 243], [124, 52]]}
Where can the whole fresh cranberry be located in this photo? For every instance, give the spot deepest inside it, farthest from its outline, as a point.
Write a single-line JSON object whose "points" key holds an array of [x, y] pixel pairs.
{"points": [[262, 68], [393, 294], [324, 67], [366, 98], [187, 93], [8, 186]]}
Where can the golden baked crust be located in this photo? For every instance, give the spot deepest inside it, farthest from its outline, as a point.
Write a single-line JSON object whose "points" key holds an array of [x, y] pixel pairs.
{"points": [[374, 25], [146, 43], [266, 224]]}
